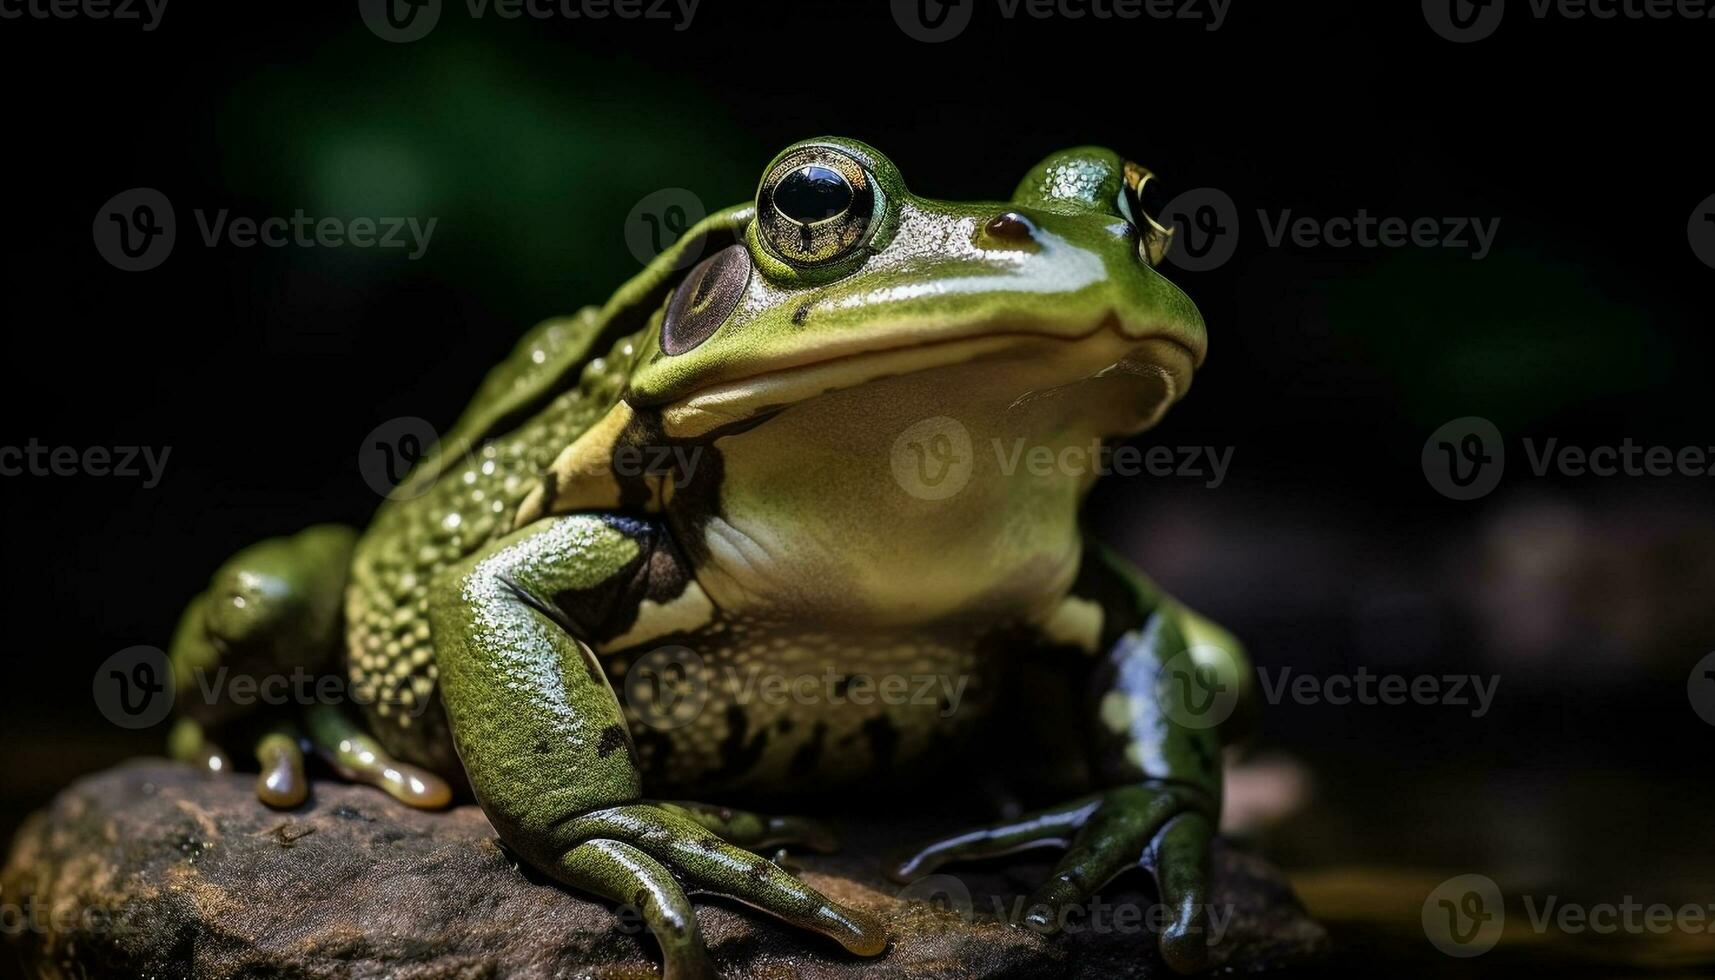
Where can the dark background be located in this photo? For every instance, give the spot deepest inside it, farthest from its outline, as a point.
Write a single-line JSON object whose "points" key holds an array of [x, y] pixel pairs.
{"points": [[1326, 548]]}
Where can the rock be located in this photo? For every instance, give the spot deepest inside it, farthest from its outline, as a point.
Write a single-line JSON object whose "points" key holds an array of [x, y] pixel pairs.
{"points": [[153, 870]]}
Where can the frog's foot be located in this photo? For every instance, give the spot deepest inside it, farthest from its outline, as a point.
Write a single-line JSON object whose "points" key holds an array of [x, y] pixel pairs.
{"points": [[1166, 827], [756, 831], [187, 742], [281, 783], [651, 854], [358, 757]]}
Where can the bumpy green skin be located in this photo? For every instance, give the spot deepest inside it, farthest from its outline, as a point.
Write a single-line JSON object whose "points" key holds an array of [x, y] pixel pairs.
{"points": [[495, 603]]}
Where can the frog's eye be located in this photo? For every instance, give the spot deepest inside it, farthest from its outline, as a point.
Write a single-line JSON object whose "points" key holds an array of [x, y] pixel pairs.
{"points": [[704, 300], [814, 206], [1154, 238]]}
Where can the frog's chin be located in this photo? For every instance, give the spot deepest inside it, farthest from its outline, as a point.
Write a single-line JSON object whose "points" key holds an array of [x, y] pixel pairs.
{"points": [[1145, 374]]}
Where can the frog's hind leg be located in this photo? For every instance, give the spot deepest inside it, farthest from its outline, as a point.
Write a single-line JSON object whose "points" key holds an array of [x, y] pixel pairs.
{"points": [[271, 613], [358, 757]]}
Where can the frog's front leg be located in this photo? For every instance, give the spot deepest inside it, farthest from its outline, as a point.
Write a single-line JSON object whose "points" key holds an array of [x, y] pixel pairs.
{"points": [[545, 744], [1165, 682]]}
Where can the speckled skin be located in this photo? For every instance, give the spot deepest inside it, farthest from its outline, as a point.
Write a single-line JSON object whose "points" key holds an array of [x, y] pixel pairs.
{"points": [[703, 475], [436, 522]]}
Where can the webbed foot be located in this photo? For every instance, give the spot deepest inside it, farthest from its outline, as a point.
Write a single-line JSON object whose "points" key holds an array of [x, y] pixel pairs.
{"points": [[653, 854], [1165, 827]]}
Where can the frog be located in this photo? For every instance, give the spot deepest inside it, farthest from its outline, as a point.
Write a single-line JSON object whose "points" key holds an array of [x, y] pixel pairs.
{"points": [[768, 451]]}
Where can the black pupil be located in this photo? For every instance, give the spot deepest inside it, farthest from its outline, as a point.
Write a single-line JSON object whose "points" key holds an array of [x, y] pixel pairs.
{"points": [[812, 193]]}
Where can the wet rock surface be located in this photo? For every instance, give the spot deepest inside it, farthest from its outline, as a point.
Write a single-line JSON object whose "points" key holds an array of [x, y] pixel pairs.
{"points": [[153, 870]]}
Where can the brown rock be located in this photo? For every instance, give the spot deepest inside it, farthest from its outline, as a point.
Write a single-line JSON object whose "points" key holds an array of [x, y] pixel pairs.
{"points": [[153, 870]]}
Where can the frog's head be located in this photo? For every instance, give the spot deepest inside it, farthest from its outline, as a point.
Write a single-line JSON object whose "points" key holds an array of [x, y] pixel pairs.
{"points": [[845, 279]]}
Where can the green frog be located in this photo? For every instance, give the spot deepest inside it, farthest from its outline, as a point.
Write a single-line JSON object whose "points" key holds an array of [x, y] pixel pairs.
{"points": [[770, 452]]}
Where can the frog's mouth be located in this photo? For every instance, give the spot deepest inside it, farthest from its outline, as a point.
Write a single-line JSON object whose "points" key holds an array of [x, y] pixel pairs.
{"points": [[1160, 360]]}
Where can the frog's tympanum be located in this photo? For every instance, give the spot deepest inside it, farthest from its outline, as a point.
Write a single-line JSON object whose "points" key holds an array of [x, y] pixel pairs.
{"points": [[800, 455]]}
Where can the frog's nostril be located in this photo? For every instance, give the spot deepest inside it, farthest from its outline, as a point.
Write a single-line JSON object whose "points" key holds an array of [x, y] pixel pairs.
{"points": [[1010, 226]]}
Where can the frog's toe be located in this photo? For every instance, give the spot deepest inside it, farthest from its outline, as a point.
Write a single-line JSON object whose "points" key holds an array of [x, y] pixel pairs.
{"points": [[755, 831], [358, 757], [1180, 859], [188, 743], [708, 864], [1045, 828], [1166, 827], [622, 873], [281, 784]]}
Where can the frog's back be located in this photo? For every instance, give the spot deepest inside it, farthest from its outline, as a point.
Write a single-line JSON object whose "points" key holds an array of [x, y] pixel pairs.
{"points": [[559, 380]]}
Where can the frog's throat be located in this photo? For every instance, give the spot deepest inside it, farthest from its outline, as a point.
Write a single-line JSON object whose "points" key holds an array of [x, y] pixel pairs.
{"points": [[733, 402]]}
